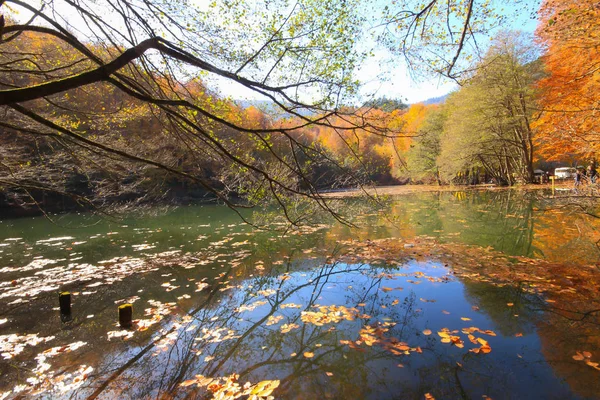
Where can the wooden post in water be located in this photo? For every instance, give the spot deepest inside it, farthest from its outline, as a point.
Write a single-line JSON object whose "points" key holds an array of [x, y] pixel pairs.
{"points": [[64, 301], [126, 315]]}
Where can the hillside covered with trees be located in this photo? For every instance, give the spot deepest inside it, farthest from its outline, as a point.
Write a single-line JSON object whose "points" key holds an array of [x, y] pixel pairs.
{"points": [[97, 118]]}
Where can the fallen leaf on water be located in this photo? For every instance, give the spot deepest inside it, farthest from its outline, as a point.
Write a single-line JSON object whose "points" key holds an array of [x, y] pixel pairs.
{"points": [[427, 332], [578, 357], [188, 382], [308, 354], [428, 396], [510, 304], [329, 373], [288, 327], [273, 319], [518, 334], [587, 354], [593, 365], [264, 388], [426, 300], [465, 318], [446, 312]]}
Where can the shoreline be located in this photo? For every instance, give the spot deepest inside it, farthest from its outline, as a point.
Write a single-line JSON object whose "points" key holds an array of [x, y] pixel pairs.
{"points": [[409, 189]]}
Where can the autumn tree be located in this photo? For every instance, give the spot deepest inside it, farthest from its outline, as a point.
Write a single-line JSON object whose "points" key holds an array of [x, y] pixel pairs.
{"points": [[569, 93], [425, 148], [490, 119]]}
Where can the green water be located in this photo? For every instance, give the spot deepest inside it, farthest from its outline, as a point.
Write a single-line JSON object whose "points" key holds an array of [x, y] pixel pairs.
{"points": [[217, 297]]}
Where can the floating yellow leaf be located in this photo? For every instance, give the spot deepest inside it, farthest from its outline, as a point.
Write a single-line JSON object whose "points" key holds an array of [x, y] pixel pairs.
{"points": [[264, 388], [273, 319], [285, 328], [308, 354], [427, 332], [465, 318]]}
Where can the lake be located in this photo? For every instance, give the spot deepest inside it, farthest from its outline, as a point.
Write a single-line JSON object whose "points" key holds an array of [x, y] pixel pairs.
{"points": [[466, 294]]}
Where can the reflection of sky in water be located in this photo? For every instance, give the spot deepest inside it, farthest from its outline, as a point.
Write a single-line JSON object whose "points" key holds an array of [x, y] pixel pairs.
{"points": [[258, 350], [221, 249]]}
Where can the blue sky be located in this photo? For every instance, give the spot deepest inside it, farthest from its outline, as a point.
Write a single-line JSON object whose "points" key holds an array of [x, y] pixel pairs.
{"points": [[387, 75]]}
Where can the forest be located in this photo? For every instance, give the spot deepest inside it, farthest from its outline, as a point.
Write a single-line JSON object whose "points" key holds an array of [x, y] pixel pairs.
{"points": [[151, 130]]}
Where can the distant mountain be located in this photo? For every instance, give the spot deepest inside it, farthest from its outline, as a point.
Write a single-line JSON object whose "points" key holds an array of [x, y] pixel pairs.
{"points": [[269, 108], [435, 100]]}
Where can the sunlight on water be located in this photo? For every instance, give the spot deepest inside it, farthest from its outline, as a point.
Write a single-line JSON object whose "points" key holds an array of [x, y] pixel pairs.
{"points": [[468, 295]]}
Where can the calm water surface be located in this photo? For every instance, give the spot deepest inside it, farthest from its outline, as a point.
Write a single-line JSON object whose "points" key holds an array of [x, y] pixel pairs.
{"points": [[216, 299]]}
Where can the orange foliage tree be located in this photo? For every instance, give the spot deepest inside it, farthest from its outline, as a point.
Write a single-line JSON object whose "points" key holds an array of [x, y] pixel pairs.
{"points": [[570, 30]]}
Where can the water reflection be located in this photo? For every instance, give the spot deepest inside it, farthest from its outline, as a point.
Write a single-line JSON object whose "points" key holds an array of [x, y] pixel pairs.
{"points": [[217, 299]]}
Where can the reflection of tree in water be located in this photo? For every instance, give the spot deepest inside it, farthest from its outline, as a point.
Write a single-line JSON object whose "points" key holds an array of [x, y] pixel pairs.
{"points": [[520, 317], [565, 314], [562, 338], [256, 350], [566, 230], [503, 219]]}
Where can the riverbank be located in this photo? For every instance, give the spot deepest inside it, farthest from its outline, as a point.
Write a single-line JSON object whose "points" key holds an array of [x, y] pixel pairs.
{"points": [[408, 189]]}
